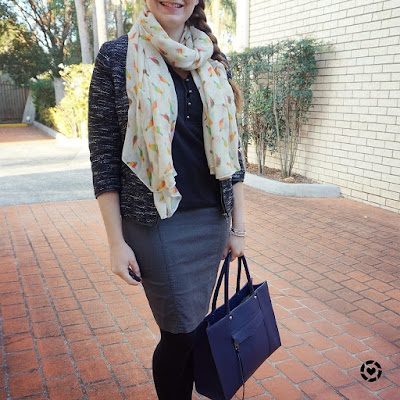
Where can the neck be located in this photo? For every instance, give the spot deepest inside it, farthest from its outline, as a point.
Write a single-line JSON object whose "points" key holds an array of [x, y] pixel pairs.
{"points": [[175, 34]]}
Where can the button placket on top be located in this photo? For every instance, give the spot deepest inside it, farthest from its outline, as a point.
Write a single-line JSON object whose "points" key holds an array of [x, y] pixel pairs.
{"points": [[188, 93]]}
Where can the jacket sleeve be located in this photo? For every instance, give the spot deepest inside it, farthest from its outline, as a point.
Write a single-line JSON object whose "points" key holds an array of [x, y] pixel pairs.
{"points": [[238, 176], [105, 139]]}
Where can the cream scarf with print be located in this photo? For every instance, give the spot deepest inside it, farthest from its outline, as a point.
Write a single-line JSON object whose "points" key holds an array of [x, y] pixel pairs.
{"points": [[153, 107]]}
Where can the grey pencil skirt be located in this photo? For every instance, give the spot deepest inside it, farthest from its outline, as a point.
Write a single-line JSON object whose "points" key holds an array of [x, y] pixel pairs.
{"points": [[179, 260]]}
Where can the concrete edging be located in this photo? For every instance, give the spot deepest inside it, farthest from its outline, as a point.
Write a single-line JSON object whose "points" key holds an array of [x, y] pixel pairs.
{"points": [[291, 189], [57, 135]]}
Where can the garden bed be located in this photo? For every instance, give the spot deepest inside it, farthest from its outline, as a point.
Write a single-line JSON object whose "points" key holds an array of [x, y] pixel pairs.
{"points": [[275, 174]]}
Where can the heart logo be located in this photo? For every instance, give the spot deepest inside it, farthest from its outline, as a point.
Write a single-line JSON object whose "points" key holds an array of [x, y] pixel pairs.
{"points": [[371, 371]]}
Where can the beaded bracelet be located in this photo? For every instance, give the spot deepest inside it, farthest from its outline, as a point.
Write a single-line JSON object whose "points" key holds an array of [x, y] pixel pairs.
{"points": [[238, 233]]}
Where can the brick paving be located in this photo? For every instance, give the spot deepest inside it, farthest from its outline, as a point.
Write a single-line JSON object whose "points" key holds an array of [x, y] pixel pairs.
{"points": [[71, 330]]}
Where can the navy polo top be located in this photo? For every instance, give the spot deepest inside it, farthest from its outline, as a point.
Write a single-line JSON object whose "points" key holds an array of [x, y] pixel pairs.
{"points": [[195, 183]]}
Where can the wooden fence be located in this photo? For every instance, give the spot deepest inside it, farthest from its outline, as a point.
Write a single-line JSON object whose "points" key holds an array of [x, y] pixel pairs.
{"points": [[12, 101]]}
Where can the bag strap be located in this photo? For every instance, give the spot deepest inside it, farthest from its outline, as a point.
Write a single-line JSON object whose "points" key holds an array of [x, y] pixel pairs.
{"points": [[219, 282], [246, 268], [225, 274], [238, 275]]}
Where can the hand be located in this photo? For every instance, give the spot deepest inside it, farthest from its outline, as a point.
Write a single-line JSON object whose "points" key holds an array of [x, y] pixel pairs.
{"points": [[122, 257], [236, 246]]}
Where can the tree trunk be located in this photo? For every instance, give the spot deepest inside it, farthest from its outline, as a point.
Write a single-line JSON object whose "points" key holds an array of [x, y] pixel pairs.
{"points": [[259, 145], [216, 18], [83, 32], [94, 24], [101, 18], [58, 90], [136, 10], [120, 21]]}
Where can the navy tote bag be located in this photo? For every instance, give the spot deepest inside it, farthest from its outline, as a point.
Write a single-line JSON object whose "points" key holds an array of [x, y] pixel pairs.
{"points": [[235, 338]]}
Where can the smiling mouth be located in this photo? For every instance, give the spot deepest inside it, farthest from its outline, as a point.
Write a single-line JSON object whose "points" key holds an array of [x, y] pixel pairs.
{"points": [[171, 5]]}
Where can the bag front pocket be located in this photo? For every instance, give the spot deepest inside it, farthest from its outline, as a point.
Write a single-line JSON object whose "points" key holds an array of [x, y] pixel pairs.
{"points": [[251, 344]]}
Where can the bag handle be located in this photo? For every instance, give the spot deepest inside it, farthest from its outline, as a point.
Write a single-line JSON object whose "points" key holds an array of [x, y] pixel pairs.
{"points": [[246, 268], [225, 274], [238, 275], [219, 282]]}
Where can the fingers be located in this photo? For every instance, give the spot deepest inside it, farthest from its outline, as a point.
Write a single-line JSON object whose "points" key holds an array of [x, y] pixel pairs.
{"points": [[235, 256], [134, 271], [124, 264], [234, 253], [123, 273], [134, 265], [225, 253], [134, 277], [236, 246]]}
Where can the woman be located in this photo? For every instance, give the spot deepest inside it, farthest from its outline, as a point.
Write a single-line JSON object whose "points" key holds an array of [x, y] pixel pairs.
{"points": [[166, 167]]}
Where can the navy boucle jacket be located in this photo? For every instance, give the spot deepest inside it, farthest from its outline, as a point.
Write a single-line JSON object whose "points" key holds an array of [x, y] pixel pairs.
{"points": [[108, 117]]}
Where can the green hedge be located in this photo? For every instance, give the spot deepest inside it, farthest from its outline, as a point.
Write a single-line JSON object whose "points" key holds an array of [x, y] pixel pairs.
{"points": [[44, 99]]}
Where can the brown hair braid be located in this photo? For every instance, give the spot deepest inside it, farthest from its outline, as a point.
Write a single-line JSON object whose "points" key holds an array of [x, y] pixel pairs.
{"points": [[198, 19]]}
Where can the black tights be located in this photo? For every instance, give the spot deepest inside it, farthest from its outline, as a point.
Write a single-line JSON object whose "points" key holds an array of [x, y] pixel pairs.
{"points": [[173, 366]]}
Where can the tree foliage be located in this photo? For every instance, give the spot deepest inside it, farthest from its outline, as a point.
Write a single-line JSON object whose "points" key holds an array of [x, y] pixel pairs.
{"points": [[51, 25], [20, 56]]}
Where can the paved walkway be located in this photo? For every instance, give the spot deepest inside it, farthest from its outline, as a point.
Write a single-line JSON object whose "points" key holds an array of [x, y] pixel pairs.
{"points": [[35, 168], [71, 330]]}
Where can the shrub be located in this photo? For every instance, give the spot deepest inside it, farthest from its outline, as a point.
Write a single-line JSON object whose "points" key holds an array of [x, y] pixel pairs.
{"points": [[70, 116], [250, 70], [293, 72], [275, 81], [43, 98], [241, 71]]}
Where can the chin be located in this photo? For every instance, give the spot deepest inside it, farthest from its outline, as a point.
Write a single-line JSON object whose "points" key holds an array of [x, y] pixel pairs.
{"points": [[171, 12]]}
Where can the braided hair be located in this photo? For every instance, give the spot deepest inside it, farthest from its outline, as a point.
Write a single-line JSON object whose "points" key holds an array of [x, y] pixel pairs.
{"points": [[198, 19]]}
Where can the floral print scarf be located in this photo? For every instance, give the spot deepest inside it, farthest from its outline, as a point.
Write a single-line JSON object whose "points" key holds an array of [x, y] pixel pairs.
{"points": [[153, 107]]}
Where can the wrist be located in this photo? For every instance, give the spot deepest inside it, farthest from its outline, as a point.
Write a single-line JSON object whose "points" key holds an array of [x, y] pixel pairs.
{"points": [[239, 225], [116, 243], [237, 232]]}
